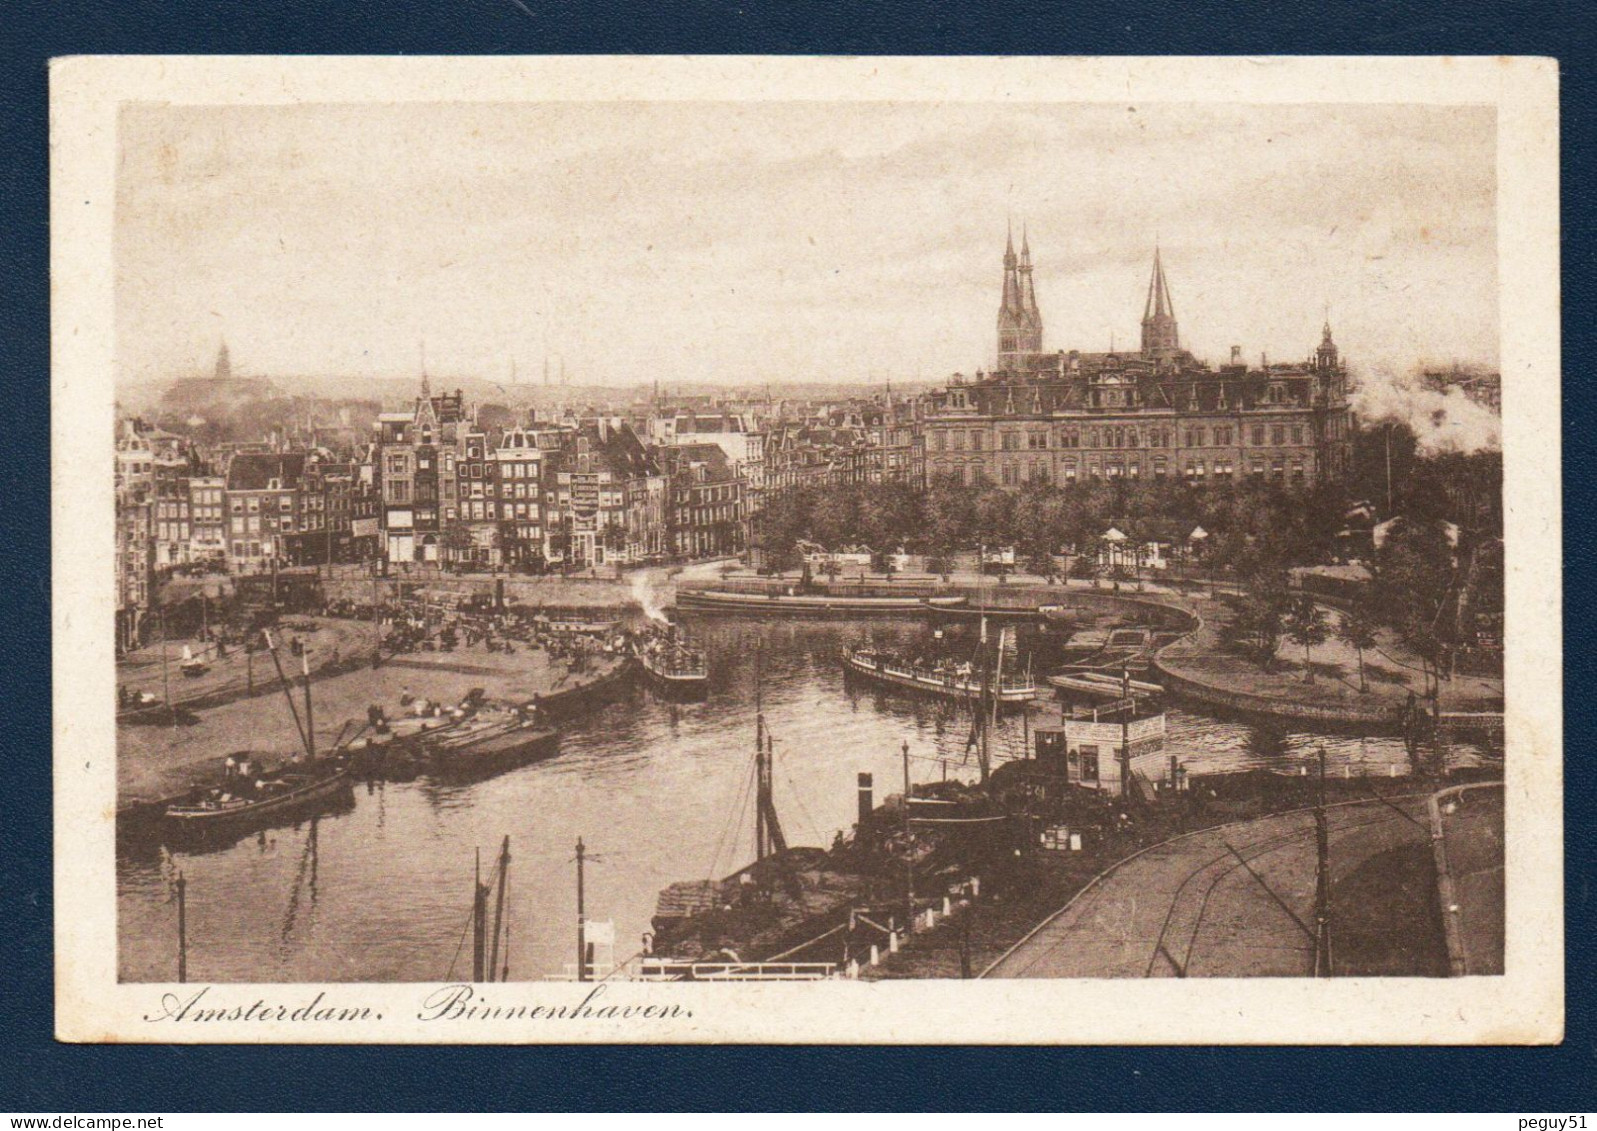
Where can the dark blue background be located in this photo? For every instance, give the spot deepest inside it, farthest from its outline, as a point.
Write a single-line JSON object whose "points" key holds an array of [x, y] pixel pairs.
{"points": [[40, 1076]]}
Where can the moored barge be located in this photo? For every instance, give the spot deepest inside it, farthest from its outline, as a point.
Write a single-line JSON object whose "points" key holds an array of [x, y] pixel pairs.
{"points": [[812, 603]]}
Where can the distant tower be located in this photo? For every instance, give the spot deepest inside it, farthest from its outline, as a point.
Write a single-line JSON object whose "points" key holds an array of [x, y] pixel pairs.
{"points": [[224, 364], [1159, 336], [1325, 357], [1019, 323]]}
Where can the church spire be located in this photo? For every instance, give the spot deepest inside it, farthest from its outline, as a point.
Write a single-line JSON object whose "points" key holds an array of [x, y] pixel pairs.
{"points": [[1019, 324], [1160, 338]]}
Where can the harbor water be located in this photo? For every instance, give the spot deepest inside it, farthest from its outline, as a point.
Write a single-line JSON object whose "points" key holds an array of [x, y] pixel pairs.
{"points": [[659, 792]]}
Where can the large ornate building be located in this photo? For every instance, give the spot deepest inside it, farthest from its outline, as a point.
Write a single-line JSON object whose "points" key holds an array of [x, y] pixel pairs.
{"points": [[1156, 414]]}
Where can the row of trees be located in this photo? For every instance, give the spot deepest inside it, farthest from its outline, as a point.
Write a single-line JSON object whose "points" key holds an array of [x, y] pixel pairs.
{"points": [[1414, 591], [1243, 519]]}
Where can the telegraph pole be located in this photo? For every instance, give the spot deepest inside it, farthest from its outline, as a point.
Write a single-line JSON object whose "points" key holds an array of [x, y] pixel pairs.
{"points": [[1125, 731], [182, 929], [909, 847], [582, 926], [1322, 886]]}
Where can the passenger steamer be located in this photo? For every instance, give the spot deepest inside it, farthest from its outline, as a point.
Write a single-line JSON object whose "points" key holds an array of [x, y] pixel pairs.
{"points": [[963, 685]]}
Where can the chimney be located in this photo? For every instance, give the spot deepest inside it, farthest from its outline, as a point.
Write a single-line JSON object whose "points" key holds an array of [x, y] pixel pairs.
{"points": [[1236, 355], [865, 803]]}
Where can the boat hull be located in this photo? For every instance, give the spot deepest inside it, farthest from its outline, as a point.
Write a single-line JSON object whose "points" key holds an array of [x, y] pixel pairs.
{"points": [[813, 605], [494, 753], [950, 688], [685, 688], [316, 796]]}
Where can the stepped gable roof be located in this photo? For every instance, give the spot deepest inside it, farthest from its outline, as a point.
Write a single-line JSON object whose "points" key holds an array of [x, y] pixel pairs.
{"points": [[252, 471]]}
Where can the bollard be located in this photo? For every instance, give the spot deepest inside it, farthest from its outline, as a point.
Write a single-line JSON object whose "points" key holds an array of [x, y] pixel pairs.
{"points": [[892, 943], [947, 907], [853, 968], [1391, 770], [975, 886], [876, 954]]}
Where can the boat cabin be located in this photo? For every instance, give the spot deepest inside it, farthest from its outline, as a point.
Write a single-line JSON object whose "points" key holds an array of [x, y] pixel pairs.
{"points": [[1089, 742]]}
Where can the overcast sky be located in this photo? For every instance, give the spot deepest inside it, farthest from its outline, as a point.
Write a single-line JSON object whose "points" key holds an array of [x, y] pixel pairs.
{"points": [[752, 242]]}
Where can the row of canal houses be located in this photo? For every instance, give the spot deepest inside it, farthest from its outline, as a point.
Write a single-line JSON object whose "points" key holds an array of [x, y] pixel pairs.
{"points": [[433, 488]]}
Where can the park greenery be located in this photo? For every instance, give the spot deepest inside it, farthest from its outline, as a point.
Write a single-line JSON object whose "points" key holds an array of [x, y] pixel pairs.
{"points": [[1436, 579]]}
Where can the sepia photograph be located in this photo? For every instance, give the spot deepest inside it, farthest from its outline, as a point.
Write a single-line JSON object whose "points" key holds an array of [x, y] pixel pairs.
{"points": [[807, 546]]}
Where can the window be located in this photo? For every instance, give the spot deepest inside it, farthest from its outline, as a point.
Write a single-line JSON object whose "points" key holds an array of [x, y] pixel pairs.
{"points": [[285, 504], [254, 504], [976, 441], [959, 441], [1257, 467], [1011, 441], [1258, 434], [1297, 433], [1089, 763], [1036, 440], [937, 442], [1278, 434], [1297, 471]]}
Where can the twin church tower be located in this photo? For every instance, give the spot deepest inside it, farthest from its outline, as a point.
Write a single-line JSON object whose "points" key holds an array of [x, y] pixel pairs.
{"points": [[1020, 322]]}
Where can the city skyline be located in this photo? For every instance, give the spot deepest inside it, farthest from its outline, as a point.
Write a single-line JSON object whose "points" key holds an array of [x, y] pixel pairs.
{"points": [[635, 243]]}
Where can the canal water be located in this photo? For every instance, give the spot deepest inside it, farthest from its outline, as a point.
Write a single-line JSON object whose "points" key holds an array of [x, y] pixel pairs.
{"points": [[657, 792]]}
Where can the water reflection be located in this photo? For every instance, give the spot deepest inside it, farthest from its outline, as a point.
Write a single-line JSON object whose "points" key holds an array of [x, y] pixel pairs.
{"points": [[659, 792]]}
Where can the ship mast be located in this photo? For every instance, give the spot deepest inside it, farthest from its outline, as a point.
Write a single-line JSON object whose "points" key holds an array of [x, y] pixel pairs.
{"points": [[768, 835]]}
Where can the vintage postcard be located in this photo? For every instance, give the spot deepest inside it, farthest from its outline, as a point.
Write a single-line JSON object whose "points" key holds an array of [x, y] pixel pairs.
{"points": [[807, 550]]}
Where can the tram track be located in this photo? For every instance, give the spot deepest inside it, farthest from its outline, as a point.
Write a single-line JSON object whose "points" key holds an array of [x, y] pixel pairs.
{"points": [[1086, 904]]}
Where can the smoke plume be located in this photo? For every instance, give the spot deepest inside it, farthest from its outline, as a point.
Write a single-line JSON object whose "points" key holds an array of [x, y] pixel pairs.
{"points": [[647, 589], [1445, 421]]}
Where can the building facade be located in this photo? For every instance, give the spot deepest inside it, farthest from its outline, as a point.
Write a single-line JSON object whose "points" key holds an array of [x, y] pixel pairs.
{"points": [[1156, 414]]}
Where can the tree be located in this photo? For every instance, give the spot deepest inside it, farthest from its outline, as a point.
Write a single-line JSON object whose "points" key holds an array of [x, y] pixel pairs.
{"points": [[1413, 583], [1306, 624], [1260, 612], [1357, 627]]}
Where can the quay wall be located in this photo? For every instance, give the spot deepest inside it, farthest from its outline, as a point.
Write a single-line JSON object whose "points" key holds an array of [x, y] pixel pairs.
{"points": [[607, 594], [1244, 702]]}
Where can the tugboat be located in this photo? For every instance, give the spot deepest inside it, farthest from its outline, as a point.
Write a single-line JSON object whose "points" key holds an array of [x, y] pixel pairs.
{"points": [[675, 670]]}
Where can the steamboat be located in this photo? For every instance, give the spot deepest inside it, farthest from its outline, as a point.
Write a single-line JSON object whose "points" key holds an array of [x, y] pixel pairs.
{"points": [[960, 682]]}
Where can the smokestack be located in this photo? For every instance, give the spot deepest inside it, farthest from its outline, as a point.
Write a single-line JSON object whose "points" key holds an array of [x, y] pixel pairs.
{"points": [[865, 804]]}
